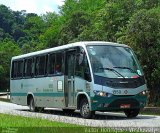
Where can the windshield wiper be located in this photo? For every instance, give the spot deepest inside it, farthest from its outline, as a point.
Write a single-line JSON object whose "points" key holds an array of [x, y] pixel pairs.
{"points": [[113, 70], [128, 69]]}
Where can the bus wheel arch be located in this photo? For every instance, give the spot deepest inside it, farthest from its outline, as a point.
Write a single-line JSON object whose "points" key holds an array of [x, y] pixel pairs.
{"points": [[79, 99], [31, 103], [29, 96], [84, 106]]}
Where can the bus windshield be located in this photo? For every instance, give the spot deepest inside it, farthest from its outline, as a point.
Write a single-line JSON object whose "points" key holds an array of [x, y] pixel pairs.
{"points": [[114, 61]]}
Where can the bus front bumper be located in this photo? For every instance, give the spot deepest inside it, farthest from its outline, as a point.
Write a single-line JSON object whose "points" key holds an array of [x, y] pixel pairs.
{"points": [[117, 103]]}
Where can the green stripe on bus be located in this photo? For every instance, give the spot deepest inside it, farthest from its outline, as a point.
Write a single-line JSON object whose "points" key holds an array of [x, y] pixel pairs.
{"points": [[49, 94], [18, 94], [40, 94]]}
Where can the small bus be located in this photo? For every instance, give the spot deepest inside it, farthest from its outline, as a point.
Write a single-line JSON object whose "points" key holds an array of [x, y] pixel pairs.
{"points": [[86, 76]]}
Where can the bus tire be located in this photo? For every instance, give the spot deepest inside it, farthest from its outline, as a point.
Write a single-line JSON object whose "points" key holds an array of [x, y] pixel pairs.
{"points": [[32, 106], [84, 109], [131, 113]]}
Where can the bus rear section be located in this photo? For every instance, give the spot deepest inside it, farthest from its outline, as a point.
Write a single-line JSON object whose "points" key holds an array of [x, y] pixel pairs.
{"points": [[56, 78]]}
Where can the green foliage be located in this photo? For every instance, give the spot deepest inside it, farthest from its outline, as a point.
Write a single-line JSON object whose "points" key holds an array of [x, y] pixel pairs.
{"points": [[74, 27], [19, 124], [143, 35], [34, 25], [19, 121], [51, 35], [6, 19], [8, 49]]}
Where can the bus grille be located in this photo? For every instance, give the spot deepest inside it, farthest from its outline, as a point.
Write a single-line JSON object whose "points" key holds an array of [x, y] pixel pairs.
{"points": [[125, 84], [134, 103]]}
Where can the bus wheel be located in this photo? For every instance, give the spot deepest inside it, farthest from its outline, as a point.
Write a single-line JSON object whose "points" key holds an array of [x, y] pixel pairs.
{"points": [[32, 107], [131, 112], [84, 109]]}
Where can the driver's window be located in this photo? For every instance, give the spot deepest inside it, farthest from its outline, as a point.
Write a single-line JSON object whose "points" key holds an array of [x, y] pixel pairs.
{"points": [[82, 68]]}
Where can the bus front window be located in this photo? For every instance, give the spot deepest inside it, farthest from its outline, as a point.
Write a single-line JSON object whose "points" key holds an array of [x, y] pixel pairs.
{"points": [[113, 61]]}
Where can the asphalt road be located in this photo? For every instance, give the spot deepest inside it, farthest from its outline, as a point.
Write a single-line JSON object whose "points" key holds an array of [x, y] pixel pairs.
{"points": [[148, 123]]}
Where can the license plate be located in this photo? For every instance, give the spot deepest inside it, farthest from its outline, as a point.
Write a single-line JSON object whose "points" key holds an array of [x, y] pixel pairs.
{"points": [[125, 106]]}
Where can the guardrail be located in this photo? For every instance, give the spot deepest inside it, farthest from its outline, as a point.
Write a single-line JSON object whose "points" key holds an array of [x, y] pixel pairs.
{"points": [[3, 93], [7, 94]]}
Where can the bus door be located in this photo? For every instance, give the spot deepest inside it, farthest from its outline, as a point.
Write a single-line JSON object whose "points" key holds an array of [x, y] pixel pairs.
{"points": [[69, 79]]}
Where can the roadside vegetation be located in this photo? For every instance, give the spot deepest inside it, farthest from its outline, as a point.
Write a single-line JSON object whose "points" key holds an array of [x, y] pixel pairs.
{"points": [[151, 111], [19, 124], [19, 121]]}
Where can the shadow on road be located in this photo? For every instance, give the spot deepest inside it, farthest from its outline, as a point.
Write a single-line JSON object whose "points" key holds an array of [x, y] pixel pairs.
{"points": [[98, 115]]}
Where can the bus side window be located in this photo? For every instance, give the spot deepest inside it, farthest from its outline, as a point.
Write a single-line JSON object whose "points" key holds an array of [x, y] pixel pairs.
{"points": [[42, 62], [59, 63], [28, 68], [20, 69], [79, 66], [14, 69], [51, 66], [33, 67], [40, 65], [37, 66], [87, 74]]}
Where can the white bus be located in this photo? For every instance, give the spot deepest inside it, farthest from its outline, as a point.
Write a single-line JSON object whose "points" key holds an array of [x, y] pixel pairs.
{"points": [[85, 76]]}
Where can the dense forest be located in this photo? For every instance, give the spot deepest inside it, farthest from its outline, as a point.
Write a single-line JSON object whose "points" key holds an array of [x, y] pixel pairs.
{"points": [[132, 22]]}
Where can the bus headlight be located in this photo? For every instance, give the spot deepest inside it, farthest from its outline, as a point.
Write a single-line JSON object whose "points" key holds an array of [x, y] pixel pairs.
{"points": [[144, 93], [102, 94]]}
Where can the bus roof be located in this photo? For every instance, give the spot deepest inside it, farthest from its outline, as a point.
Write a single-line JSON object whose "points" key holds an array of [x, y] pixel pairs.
{"points": [[85, 43]]}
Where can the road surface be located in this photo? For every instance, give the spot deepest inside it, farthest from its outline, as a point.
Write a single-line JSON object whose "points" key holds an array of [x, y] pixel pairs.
{"points": [[149, 123]]}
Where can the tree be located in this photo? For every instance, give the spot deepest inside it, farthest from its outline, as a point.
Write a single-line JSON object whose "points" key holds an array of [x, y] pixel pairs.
{"points": [[143, 35], [51, 36], [74, 27], [6, 19], [8, 49]]}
